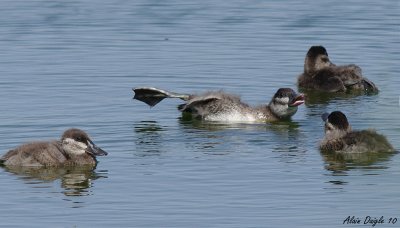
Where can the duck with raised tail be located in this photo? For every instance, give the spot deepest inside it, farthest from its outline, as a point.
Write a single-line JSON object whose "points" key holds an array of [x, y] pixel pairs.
{"points": [[224, 107]]}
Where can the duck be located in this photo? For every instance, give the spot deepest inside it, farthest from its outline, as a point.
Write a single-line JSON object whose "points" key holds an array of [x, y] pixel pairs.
{"points": [[73, 149], [340, 138], [322, 75], [224, 107]]}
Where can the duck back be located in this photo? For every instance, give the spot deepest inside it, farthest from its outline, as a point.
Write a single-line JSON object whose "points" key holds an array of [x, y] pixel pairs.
{"points": [[43, 154], [358, 142], [366, 141], [216, 106]]}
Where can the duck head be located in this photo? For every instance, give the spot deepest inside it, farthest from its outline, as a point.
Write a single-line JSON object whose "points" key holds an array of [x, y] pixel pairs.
{"points": [[336, 124], [77, 142], [316, 59], [285, 102]]}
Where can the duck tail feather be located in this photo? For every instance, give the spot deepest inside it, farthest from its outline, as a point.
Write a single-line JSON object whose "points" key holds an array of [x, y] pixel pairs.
{"points": [[153, 96]]}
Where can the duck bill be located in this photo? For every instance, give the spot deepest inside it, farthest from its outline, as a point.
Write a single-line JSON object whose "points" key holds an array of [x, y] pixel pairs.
{"points": [[325, 116], [95, 150], [298, 100]]}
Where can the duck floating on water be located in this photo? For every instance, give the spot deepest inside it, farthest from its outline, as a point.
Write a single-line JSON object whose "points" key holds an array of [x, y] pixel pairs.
{"points": [[322, 75], [339, 137], [224, 107], [74, 148]]}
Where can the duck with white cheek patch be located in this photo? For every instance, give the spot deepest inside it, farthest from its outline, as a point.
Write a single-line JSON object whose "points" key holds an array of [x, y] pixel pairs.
{"points": [[223, 107], [74, 148], [340, 138]]}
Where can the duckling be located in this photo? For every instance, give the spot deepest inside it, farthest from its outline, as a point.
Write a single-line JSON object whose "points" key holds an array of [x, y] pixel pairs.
{"points": [[221, 106], [74, 148], [321, 74], [339, 137]]}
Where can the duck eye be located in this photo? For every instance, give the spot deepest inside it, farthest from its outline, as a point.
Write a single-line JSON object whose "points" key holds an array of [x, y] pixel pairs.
{"points": [[79, 139]]}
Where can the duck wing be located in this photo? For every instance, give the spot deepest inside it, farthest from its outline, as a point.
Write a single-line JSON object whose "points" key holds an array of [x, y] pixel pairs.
{"points": [[193, 106], [349, 74], [368, 141], [327, 80]]}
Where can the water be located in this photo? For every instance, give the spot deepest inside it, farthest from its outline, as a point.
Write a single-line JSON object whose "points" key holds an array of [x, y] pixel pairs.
{"points": [[73, 64]]}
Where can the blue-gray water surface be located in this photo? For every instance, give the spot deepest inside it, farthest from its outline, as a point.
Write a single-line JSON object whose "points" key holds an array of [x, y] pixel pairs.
{"points": [[73, 64]]}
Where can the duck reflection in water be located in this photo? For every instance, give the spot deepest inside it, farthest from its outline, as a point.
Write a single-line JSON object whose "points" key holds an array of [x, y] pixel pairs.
{"points": [[149, 138], [281, 128], [321, 99], [75, 180], [216, 138]]}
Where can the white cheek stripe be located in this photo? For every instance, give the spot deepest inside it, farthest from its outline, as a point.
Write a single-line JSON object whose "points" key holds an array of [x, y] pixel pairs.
{"points": [[74, 147], [284, 100], [76, 143], [69, 140], [330, 126]]}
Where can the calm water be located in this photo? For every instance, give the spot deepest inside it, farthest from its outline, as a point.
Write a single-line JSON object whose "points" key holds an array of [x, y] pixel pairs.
{"points": [[74, 64]]}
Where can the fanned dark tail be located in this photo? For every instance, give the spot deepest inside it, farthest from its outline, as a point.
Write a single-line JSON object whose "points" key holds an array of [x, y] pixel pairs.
{"points": [[369, 86], [153, 96]]}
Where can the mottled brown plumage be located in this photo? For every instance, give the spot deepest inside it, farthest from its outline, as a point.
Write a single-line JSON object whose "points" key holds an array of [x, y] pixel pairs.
{"points": [[321, 74], [340, 138], [74, 148]]}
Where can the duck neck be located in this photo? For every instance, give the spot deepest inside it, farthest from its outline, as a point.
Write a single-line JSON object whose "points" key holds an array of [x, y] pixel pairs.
{"points": [[336, 134], [309, 66], [60, 147], [281, 111]]}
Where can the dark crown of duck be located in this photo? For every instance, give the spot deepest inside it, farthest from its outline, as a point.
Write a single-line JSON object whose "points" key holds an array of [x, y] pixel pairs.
{"points": [[314, 51], [76, 134], [336, 118]]}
